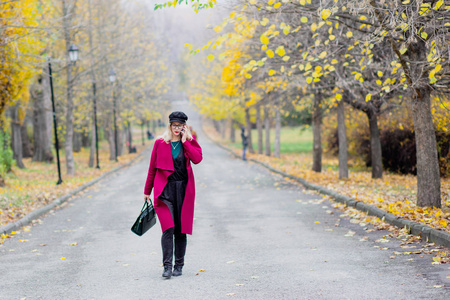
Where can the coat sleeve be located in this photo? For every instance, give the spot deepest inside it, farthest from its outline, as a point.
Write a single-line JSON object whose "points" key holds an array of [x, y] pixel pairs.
{"points": [[151, 170], [193, 150]]}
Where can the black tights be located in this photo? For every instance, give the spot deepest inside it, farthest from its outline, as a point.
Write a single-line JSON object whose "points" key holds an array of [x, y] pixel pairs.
{"points": [[167, 247]]}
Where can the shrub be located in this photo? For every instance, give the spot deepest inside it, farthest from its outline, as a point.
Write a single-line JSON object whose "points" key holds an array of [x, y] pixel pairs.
{"points": [[443, 143], [396, 135], [6, 153], [398, 149]]}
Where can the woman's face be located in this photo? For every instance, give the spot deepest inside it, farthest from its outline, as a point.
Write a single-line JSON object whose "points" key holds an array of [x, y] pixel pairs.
{"points": [[176, 128]]}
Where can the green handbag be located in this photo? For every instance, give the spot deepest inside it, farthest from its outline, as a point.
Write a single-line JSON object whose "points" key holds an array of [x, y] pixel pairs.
{"points": [[146, 219]]}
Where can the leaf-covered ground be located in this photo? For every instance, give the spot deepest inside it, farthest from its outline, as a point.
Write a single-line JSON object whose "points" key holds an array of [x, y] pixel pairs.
{"points": [[393, 193], [34, 187]]}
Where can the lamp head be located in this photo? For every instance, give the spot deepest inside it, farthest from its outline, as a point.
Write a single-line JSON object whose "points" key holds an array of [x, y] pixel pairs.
{"points": [[73, 53], [112, 75]]}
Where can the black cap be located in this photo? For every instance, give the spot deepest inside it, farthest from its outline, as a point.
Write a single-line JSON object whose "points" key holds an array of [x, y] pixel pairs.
{"points": [[178, 116]]}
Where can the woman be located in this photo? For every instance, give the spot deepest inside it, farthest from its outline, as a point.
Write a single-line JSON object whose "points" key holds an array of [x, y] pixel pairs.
{"points": [[170, 175]]}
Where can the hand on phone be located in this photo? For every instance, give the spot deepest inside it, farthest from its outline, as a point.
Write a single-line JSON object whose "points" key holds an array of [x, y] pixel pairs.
{"points": [[183, 136]]}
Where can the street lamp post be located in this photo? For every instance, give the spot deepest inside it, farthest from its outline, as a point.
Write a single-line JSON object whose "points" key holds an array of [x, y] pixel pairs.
{"points": [[55, 127], [112, 79], [73, 56], [94, 91]]}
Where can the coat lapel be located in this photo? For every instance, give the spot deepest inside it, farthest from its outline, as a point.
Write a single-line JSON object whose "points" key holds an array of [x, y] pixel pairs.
{"points": [[164, 158]]}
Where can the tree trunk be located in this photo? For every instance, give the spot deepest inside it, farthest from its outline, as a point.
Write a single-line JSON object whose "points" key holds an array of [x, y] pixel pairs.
{"points": [[85, 139], [342, 137], [249, 130], [223, 128], [26, 144], [142, 134], [259, 126], [130, 138], [267, 128], [16, 136], [121, 137], [3, 145], [109, 132], [68, 145], [216, 125], [77, 141], [428, 177], [276, 148], [375, 145], [232, 131], [317, 131], [40, 95], [92, 150]]}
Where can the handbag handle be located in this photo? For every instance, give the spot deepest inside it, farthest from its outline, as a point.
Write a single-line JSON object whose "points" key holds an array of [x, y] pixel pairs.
{"points": [[146, 203], [147, 206]]}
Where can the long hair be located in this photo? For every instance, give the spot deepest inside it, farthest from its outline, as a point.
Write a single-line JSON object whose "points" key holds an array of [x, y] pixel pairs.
{"points": [[167, 135]]}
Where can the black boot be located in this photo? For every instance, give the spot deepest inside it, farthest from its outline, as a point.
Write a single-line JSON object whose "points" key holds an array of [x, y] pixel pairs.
{"points": [[177, 271], [167, 272], [180, 251], [167, 249]]}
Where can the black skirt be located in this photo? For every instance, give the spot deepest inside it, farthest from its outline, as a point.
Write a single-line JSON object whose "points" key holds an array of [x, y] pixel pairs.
{"points": [[175, 189]]}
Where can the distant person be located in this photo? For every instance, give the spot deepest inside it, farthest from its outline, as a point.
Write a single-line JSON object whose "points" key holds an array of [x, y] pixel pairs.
{"points": [[131, 149], [171, 178], [194, 133], [244, 143], [150, 136]]}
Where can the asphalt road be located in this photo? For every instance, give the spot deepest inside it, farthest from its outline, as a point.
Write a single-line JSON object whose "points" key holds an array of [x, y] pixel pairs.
{"points": [[256, 236]]}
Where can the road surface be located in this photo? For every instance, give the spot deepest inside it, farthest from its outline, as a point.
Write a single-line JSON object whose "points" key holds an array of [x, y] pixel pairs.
{"points": [[256, 236]]}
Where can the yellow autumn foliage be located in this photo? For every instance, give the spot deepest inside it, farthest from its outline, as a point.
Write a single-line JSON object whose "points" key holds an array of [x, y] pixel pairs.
{"points": [[21, 46]]}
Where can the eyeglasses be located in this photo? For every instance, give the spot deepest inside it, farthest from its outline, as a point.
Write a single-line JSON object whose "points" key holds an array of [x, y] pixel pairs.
{"points": [[177, 126]]}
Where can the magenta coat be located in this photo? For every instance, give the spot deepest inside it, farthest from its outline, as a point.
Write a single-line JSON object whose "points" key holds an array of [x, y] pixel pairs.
{"points": [[161, 167]]}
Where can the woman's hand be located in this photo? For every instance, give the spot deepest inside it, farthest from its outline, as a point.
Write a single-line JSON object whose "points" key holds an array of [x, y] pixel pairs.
{"points": [[184, 135], [147, 198]]}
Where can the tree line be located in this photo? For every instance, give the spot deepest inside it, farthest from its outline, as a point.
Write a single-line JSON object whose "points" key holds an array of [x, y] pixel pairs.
{"points": [[112, 37], [382, 58]]}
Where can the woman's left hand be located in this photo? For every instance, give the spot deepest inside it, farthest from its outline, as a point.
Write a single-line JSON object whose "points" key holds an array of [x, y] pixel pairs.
{"points": [[184, 135]]}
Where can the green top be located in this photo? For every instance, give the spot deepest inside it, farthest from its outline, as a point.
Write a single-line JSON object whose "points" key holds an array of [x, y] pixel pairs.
{"points": [[176, 147]]}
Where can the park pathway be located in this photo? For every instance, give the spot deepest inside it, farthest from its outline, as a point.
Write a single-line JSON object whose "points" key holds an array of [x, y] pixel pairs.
{"points": [[256, 236]]}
